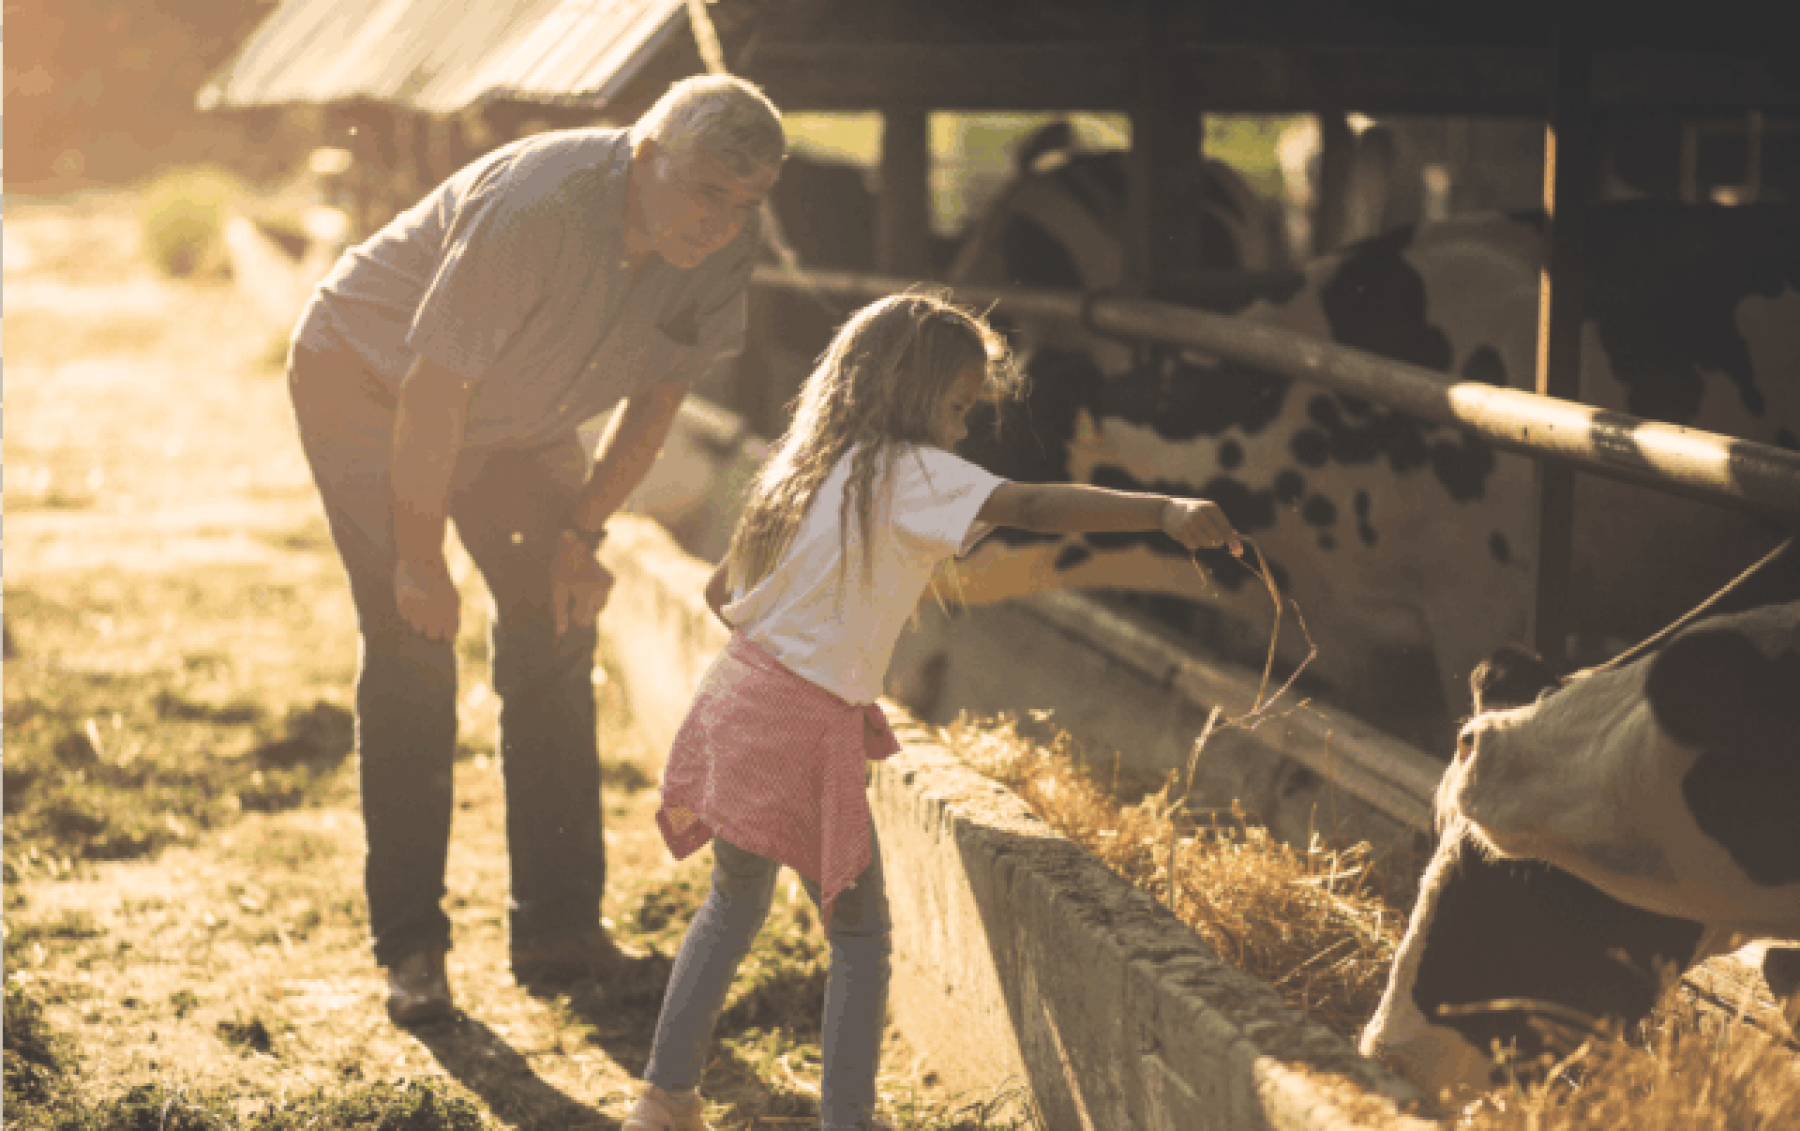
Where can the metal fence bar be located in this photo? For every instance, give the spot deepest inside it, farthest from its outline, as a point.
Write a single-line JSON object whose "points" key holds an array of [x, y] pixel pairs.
{"points": [[1723, 470]]}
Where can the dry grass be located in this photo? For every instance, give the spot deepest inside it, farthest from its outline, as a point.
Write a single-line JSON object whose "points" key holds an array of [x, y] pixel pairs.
{"points": [[1307, 922], [1311, 925], [1684, 1077]]}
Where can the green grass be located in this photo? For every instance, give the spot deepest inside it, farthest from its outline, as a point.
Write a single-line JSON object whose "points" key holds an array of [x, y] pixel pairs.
{"points": [[41, 1069], [184, 221], [971, 153], [1247, 144], [37, 1058], [120, 743], [407, 1105]]}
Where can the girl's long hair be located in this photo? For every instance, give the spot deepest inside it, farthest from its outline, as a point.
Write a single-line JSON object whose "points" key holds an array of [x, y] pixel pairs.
{"points": [[878, 386]]}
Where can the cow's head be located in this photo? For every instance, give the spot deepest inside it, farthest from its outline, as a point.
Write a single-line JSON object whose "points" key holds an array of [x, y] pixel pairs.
{"points": [[1669, 782], [1513, 954]]}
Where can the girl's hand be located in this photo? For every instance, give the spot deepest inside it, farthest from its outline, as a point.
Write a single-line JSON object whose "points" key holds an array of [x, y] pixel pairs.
{"points": [[1199, 524]]}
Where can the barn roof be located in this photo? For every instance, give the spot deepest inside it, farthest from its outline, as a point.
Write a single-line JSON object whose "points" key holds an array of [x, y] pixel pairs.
{"points": [[441, 56]]}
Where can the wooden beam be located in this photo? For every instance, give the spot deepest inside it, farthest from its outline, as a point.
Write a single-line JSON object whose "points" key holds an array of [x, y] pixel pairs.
{"points": [[1254, 78], [1721, 470], [1645, 78], [1568, 169], [903, 211], [1034, 76]]}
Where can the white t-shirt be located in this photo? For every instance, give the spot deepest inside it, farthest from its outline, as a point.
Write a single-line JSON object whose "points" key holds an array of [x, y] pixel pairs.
{"points": [[822, 622]]}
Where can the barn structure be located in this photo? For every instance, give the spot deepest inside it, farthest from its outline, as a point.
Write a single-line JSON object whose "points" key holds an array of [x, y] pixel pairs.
{"points": [[419, 86], [1703, 101]]}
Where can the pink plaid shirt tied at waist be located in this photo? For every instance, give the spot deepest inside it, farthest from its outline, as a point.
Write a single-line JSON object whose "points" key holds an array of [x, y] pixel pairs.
{"points": [[775, 765]]}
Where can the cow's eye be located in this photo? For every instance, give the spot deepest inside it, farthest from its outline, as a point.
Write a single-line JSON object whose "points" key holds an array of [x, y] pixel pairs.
{"points": [[1465, 744]]}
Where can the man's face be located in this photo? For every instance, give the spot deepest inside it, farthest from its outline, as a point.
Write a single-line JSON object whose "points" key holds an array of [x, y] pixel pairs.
{"points": [[693, 204]]}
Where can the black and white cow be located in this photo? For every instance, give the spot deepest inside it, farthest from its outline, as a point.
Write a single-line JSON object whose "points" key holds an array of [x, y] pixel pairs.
{"points": [[1409, 547], [1497, 947], [1672, 782], [1505, 954], [1060, 221]]}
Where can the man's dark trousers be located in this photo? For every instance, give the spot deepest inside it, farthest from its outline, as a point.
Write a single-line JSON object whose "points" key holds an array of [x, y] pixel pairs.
{"points": [[509, 507]]}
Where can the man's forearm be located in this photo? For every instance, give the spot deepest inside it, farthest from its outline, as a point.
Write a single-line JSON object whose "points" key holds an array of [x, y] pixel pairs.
{"points": [[428, 435], [627, 450]]}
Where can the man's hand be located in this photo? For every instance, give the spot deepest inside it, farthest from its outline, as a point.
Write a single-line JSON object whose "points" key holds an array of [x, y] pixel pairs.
{"points": [[579, 585], [427, 598], [1199, 524]]}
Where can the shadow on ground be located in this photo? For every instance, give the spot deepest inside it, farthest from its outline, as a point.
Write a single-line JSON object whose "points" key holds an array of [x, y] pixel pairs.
{"points": [[483, 1062]]}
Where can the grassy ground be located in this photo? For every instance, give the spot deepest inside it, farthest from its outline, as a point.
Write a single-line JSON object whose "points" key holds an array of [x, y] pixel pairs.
{"points": [[185, 939]]}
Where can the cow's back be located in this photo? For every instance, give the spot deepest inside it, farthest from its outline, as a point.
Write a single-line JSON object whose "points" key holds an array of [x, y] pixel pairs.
{"points": [[1409, 547]]}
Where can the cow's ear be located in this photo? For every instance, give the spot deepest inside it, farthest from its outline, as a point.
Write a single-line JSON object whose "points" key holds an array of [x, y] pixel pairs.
{"points": [[1714, 688], [1512, 677]]}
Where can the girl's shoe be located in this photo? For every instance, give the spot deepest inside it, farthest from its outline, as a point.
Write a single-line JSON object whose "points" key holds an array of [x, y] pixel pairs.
{"points": [[657, 1110]]}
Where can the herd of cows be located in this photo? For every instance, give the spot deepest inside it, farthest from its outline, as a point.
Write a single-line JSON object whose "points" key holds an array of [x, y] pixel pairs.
{"points": [[1599, 834]]}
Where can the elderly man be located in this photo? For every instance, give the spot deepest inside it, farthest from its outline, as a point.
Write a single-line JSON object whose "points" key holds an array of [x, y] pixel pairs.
{"points": [[439, 372]]}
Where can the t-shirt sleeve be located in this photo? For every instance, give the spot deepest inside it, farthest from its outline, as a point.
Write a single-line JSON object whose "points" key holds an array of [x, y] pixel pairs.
{"points": [[936, 496], [489, 280]]}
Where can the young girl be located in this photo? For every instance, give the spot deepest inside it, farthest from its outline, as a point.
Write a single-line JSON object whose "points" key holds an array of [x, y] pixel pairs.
{"points": [[842, 530]]}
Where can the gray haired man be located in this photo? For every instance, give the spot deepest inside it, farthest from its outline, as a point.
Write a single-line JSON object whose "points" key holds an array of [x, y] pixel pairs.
{"points": [[439, 374]]}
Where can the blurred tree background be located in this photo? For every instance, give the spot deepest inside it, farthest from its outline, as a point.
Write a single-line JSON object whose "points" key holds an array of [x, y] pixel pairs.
{"points": [[102, 92]]}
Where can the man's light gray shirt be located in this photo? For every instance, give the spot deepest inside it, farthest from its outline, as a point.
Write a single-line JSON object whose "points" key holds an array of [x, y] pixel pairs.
{"points": [[513, 274]]}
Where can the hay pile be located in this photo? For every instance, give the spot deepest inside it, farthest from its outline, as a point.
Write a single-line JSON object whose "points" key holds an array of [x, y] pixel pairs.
{"points": [[1683, 1076], [1307, 922], [1311, 924]]}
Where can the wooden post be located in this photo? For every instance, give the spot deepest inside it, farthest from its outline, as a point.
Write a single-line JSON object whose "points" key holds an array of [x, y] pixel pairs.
{"points": [[903, 212], [1753, 158], [1163, 208], [1689, 162], [1568, 167], [1337, 146]]}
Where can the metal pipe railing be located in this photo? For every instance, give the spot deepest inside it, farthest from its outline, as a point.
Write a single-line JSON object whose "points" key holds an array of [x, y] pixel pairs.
{"points": [[1723, 470]]}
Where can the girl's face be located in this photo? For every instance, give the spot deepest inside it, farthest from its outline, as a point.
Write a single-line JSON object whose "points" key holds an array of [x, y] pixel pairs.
{"points": [[950, 424]]}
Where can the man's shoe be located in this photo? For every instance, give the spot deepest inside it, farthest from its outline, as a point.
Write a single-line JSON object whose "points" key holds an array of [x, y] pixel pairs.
{"points": [[419, 990], [562, 959]]}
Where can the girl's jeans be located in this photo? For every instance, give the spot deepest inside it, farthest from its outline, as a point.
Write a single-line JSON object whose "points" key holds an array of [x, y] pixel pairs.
{"points": [[743, 884]]}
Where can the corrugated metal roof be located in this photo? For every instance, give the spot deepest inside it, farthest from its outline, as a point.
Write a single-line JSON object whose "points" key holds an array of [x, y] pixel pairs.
{"points": [[441, 56]]}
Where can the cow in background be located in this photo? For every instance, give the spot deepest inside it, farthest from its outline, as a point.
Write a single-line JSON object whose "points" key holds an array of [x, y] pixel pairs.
{"points": [[1059, 223], [1408, 546], [1404, 169]]}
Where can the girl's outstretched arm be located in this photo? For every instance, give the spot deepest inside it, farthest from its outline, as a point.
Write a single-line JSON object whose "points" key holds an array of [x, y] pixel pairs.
{"points": [[1077, 508]]}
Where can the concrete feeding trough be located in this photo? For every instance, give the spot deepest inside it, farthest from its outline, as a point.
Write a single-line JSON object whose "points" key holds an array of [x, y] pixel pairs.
{"points": [[1019, 957]]}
